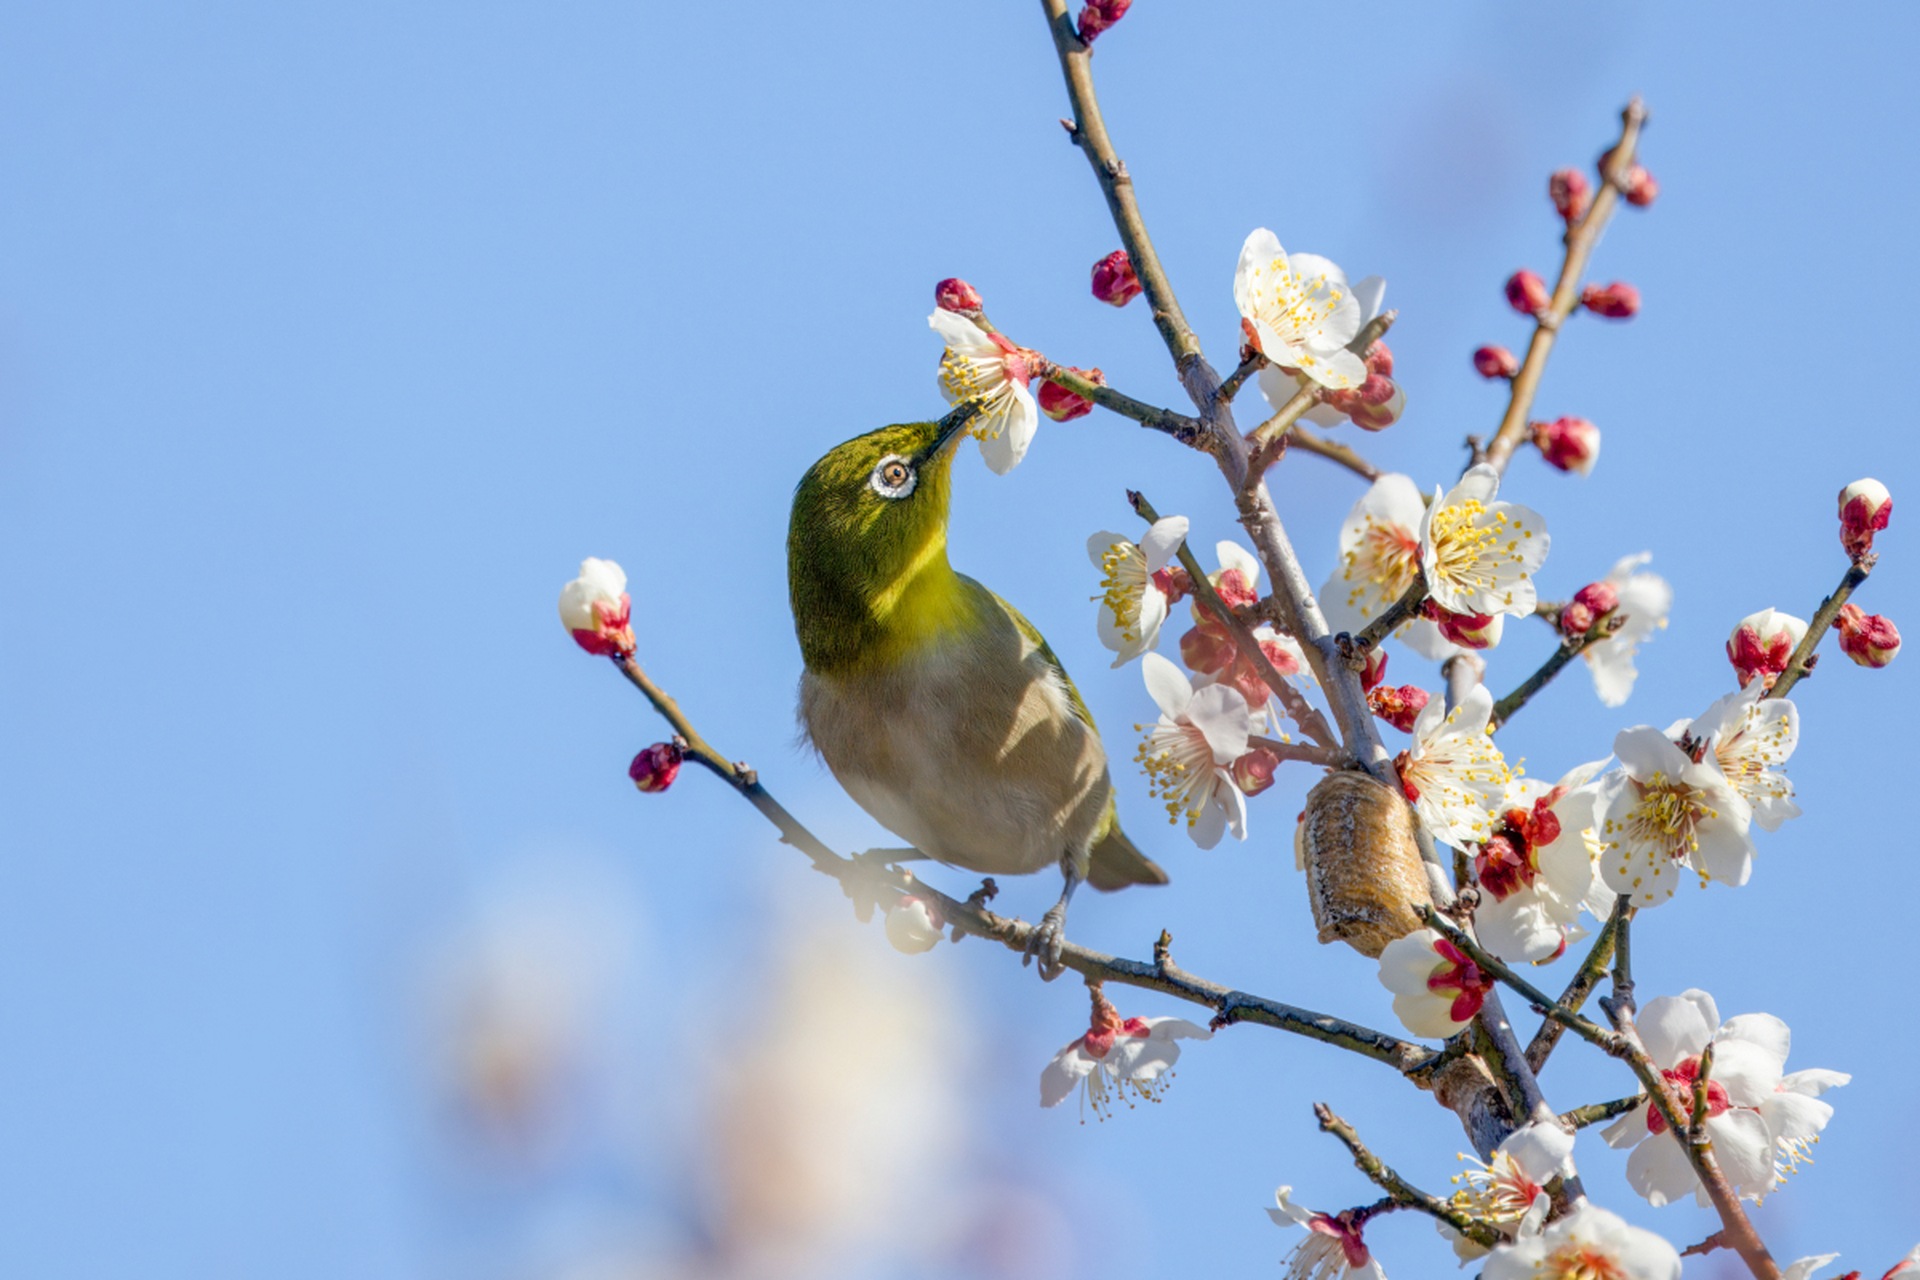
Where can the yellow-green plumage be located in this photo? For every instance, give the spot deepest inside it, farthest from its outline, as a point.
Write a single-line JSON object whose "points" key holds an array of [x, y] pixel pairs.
{"points": [[938, 706]]}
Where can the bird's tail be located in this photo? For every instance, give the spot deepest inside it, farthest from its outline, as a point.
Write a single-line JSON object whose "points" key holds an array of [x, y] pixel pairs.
{"points": [[1115, 863]]}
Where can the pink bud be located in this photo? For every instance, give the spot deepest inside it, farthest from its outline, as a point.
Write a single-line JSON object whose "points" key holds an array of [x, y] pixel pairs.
{"points": [[655, 768], [1098, 15], [1468, 630], [1591, 603], [1571, 444], [1762, 643], [1618, 301], [912, 926], [1113, 279], [1374, 405], [1175, 583], [1061, 404], [1398, 707], [1379, 359], [1867, 638], [1495, 362], [1569, 190], [1253, 772], [1376, 669], [1527, 293], [1865, 508], [1642, 188], [597, 611], [956, 295]]}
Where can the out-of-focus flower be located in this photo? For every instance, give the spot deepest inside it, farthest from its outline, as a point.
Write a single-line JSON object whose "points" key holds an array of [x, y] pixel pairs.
{"points": [[1300, 311], [1186, 756], [912, 927], [1436, 988], [1478, 555], [985, 366], [1870, 639], [1398, 707], [1803, 1268], [1375, 670], [1906, 1267], [1569, 190], [1645, 599], [596, 610], [1253, 772], [1588, 1244], [1116, 1056], [1379, 560], [1210, 649], [1468, 630], [1134, 581], [1454, 775], [955, 294], [1527, 293], [1762, 643], [1113, 279], [655, 768], [1333, 1247], [1571, 444], [1536, 870], [1509, 1191], [1063, 405], [1663, 814], [1097, 15], [1642, 188], [1760, 1120], [1617, 301], [1865, 508], [1495, 362]]}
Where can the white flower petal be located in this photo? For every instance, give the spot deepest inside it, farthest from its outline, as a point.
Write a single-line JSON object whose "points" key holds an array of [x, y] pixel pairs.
{"points": [[1171, 691]]}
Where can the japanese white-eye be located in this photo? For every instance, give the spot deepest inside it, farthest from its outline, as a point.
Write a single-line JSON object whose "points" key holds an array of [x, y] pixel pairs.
{"points": [[937, 706]]}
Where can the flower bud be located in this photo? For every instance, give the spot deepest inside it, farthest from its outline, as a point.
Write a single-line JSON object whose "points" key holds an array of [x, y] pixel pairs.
{"points": [[1376, 669], [1061, 404], [1569, 190], [1175, 583], [1867, 638], [655, 768], [1527, 293], [1253, 772], [1495, 362], [1379, 359], [1762, 643], [1642, 188], [956, 295], [596, 610], [1374, 405], [1591, 603], [912, 926], [1098, 15], [1571, 444], [1398, 707], [1865, 508], [1113, 279], [1618, 301], [1468, 630]]}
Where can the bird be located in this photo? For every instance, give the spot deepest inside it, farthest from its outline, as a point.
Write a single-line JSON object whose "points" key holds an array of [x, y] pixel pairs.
{"points": [[935, 704]]}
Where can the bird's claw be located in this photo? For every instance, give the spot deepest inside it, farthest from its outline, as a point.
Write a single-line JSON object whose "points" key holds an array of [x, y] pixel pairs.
{"points": [[1048, 942]]}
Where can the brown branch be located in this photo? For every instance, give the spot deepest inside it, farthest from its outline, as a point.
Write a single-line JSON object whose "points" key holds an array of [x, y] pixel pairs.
{"points": [[1399, 1189], [1188, 431], [1570, 648], [1405, 609], [1581, 239], [1301, 751], [1592, 969], [1802, 660], [1253, 364], [1298, 437], [1581, 1117]]}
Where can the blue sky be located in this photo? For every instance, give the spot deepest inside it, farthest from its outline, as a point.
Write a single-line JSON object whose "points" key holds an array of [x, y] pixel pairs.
{"points": [[332, 337]]}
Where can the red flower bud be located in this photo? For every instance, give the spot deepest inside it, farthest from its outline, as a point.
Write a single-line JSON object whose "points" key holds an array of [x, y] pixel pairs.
{"points": [[1618, 301], [1175, 582], [1061, 404], [1113, 279], [1380, 359], [1865, 508], [1527, 293], [1098, 15], [1642, 188], [1468, 630], [956, 295], [1398, 707], [1571, 444], [1601, 597], [1253, 772], [655, 768], [1867, 638], [1376, 669], [1761, 645], [1569, 190], [1495, 362]]}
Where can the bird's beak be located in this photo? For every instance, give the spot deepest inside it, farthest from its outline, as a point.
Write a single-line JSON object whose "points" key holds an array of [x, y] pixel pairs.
{"points": [[952, 427]]}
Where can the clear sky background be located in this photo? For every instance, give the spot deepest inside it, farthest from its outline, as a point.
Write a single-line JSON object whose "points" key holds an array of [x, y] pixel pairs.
{"points": [[333, 940]]}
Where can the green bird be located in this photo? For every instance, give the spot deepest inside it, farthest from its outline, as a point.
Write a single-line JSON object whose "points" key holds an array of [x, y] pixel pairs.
{"points": [[937, 706]]}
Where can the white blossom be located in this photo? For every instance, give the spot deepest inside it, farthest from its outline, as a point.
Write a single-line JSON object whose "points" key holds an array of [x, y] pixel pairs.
{"points": [[1645, 601], [1134, 604], [1186, 757], [1453, 774], [985, 366], [1478, 555], [1300, 309]]}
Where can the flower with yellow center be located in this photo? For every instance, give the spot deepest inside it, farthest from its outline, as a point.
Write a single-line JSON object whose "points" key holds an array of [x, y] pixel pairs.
{"points": [[1300, 311], [1751, 736], [1187, 755], [1666, 813], [1133, 603], [1454, 775], [1588, 1244], [1479, 555], [978, 365], [1379, 560]]}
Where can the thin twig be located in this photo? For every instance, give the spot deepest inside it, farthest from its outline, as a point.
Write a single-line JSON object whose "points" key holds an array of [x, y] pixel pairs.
{"points": [[1581, 1117], [1402, 610], [1301, 751], [1298, 437], [1802, 660], [1188, 431], [1570, 648], [1592, 969], [1399, 1189], [1253, 364]]}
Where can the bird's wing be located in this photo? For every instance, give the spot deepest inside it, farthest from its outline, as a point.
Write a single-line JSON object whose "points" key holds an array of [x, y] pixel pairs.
{"points": [[1039, 642]]}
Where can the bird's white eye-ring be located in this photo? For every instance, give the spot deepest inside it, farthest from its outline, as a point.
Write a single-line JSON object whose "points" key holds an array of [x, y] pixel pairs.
{"points": [[893, 477]]}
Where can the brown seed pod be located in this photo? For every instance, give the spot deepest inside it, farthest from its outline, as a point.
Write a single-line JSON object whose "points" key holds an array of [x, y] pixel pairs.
{"points": [[1364, 873]]}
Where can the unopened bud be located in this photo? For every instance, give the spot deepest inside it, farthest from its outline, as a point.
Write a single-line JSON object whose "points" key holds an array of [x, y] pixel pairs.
{"points": [[1376, 669], [596, 610], [1865, 508], [1591, 603], [1571, 444], [1253, 772], [1379, 359], [912, 926], [1762, 643], [1642, 188], [1175, 583], [1374, 405], [1495, 362], [1398, 707], [1061, 404], [1527, 293], [1569, 190], [1617, 301], [655, 768], [1867, 638], [956, 295], [1468, 630], [1113, 279], [1098, 15]]}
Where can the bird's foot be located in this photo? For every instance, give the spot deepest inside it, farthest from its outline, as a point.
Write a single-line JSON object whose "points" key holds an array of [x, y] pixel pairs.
{"points": [[1048, 943]]}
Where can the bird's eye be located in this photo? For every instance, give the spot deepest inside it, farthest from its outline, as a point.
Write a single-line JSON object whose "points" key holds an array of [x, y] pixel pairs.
{"points": [[893, 477]]}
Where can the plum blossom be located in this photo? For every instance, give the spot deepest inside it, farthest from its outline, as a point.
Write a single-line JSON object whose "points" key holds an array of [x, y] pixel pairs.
{"points": [[1750, 735], [1907, 1267], [1588, 1244], [1135, 585], [912, 927], [1333, 1247], [1186, 757], [1761, 1121], [1509, 1191], [978, 364], [1117, 1055], [1803, 1268], [1453, 774], [596, 610], [1536, 870], [1762, 644], [1299, 310], [1379, 560], [1436, 988], [1645, 600], [1377, 401], [1477, 554], [1865, 509], [1665, 812], [655, 767], [1210, 649], [1870, 639]]}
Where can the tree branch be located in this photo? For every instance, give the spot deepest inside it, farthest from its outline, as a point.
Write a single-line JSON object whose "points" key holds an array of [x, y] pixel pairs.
{"points": [[1402, 610], [1570, 648], [1802, 660], [1592, 969], [1581, 1117], [1298, 437], [1188, 431], [1332, 759], [1399, 1189]]}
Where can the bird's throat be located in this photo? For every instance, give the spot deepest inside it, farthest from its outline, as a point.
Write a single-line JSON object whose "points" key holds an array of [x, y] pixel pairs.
{"points": [[887, 618]]}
